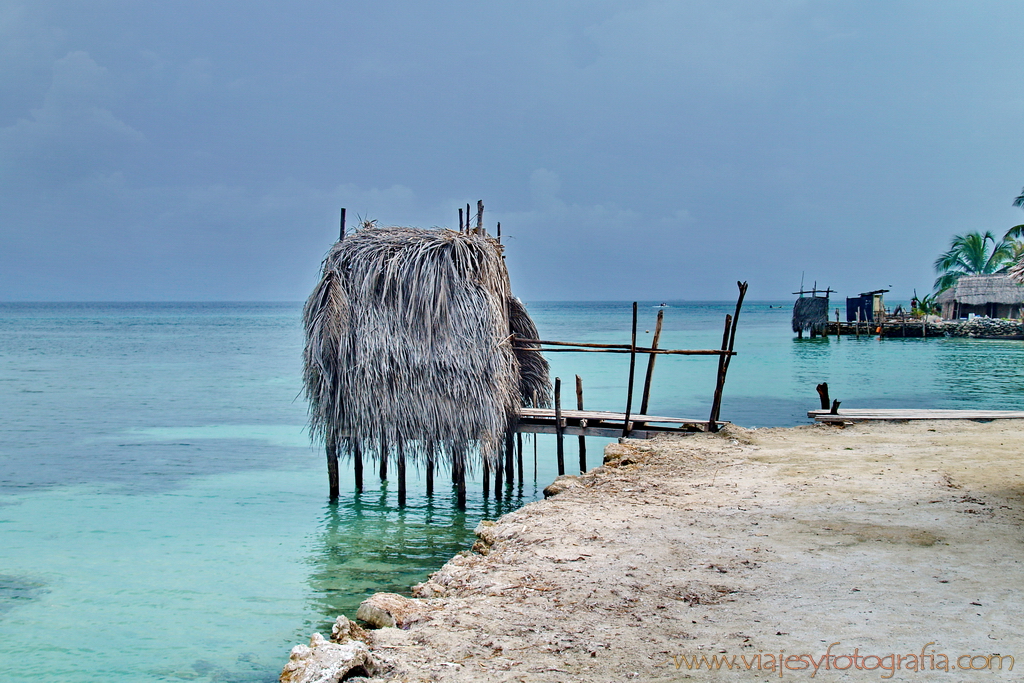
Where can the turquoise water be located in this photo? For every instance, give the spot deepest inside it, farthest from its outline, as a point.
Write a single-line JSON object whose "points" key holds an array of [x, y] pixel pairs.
{"points": [[163, 518]]}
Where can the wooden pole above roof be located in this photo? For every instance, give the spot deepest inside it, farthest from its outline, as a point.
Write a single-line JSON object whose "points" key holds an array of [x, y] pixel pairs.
{"points": [[342, 236]]}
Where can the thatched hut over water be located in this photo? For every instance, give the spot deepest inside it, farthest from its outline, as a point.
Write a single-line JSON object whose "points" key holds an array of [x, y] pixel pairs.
{"points": [[810, 314], [998, 295], [408, 349]]}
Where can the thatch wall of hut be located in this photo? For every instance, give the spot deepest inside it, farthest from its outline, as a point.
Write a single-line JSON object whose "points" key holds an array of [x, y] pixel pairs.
{"points": [[408, 346], [810, 313]]}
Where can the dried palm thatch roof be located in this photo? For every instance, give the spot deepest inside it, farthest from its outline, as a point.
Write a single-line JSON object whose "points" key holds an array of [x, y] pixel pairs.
{"points": [[810, 313], [976, 290], [408, 343]]}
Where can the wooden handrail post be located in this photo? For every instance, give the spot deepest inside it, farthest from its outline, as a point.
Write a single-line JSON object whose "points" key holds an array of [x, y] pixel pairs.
{"points": [[728, 344], [632, 370], [583, 439], [644, 403], [558, 426]]}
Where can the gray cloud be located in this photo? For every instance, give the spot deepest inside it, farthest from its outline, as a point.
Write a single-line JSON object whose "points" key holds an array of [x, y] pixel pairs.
{"points": [[630, 149]]}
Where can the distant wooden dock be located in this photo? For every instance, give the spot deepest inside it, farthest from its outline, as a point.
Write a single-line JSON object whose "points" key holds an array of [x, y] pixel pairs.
{"points": [[901, 414], [607, 424]]}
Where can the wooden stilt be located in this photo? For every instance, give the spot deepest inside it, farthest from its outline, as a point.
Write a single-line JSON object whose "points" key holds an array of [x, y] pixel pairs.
{"points": [[400, 456], [384, 458], [430, 468], [460, 484], [558, 426], [357, 457], [632, 369], [510, 451], [487, 479], [332, 467], [519, 455], [499, 478], [583, 439], [534, 458]]}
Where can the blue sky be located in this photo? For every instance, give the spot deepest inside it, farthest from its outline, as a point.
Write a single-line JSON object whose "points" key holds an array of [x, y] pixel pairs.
{"points": [[655, 150]]}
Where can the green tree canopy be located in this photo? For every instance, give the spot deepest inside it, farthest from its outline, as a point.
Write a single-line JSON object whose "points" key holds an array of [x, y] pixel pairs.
{"points": [[973, 253]]}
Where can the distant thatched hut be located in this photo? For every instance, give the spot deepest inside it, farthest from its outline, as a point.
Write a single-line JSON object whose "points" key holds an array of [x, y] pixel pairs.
{"points": [[810, 314], [408, 348], [995, 296]]}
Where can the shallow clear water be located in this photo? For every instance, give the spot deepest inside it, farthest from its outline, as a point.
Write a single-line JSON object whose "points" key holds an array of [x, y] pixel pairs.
{"points": [[163, 518]]}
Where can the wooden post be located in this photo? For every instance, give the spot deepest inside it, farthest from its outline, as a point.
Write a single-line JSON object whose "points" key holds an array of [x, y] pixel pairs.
{"points": [[632, 369], [713, 420], [467, 219], [384, 458], [519, 455], [357, 457], [430, 468], [332, 466], [479, 216], [510, 453], [535, 443], [650, 364], [558, 425], [823, 395], [400, 456], [839, 330], [835, 408], [342, 225], [583, 439], [499, 232], [487, 479], [856, 325], [499, 477], [725, 360], [460, 219], [460, 484], [534, 458]]}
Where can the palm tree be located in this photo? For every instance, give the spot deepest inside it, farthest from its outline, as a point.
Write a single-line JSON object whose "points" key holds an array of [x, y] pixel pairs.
{"points": [[972, 254]]}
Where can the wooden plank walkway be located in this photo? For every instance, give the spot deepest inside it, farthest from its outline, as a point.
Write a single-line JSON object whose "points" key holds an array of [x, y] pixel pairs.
{"points": [[883, 414], [605, 423]]}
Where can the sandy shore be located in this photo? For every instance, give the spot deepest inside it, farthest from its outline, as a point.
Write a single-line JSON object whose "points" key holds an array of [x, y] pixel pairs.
{"points": [[774, 542]]}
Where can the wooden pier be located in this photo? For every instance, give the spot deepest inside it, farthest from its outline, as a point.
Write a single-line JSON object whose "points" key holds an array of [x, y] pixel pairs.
{"points": [[902, 414], [608, 424], [909, 327]]}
